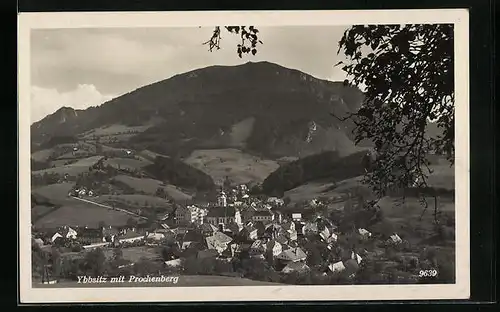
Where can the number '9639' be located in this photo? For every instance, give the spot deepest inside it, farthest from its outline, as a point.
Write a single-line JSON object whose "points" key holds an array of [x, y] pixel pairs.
{"points": [[427, 273]]}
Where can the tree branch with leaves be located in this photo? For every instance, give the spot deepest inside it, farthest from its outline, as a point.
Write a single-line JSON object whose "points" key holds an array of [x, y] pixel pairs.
{"points": [[248, 35], [407, 75]]}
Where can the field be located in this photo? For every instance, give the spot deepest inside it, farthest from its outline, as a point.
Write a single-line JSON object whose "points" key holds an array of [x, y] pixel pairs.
{"points": [[149, 186], [149, 155], [184, 281], [78, 213], [138, 200], [409, 218], [55, 192], [42, 155], [114, 130], [74, 169], [239, 167], [126, 163]]}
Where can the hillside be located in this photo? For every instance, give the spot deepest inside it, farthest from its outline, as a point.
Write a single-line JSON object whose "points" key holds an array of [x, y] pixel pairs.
{"points": [[261, 107], [326, 165]]}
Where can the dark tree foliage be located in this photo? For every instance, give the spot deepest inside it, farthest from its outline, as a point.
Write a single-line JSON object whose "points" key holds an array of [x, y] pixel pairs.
{"points": [[249, 39], [326, 165], [178, 173], [409, 78]]}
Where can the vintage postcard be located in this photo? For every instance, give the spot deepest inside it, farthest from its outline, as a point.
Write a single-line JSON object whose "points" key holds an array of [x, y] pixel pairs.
{"points": [[243, 156]]}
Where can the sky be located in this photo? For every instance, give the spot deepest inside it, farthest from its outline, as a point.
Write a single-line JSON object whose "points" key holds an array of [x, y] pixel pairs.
{"points": [[85, 67]]}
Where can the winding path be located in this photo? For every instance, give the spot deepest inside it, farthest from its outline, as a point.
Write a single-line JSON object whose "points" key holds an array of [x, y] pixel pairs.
{"points": [[109, 207]]}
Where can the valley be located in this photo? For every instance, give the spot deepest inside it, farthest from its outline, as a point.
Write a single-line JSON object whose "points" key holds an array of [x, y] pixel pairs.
{"points": [[191, 154]]}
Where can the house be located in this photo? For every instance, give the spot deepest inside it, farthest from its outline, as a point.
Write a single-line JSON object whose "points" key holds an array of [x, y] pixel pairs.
{"points": [[292, 255], [396, 239], [221, 216], [288, 226], [155, 236], [264, 216], [90, 193], [337, 267], [275, 201], [233, 229], [130, 237], [249, 232], [208, 229], [299, 267], [272, 230], [55, 236], [89, 236], [364, 233], [274, 247], [68, 232], [190, 238], [109, 233], [173, 263], [324, 234], [355, 256], [297, 217], [282, 239], [257, 249], [310, 228], [219, 241]]}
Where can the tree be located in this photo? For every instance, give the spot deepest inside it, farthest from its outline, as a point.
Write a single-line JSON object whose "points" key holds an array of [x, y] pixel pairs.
{"points": [[409, 81], [117, 254], [249, 39], [95, 262], [227, 183], [160, 192], [408, 78]]}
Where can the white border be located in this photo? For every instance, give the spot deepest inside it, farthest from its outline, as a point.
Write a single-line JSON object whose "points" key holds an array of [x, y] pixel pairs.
{"points": [[460, 290]]}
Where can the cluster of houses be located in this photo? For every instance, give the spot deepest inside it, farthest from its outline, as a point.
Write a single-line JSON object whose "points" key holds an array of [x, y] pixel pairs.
{"points": [[237, 223], [80, 192], [89, 238]]}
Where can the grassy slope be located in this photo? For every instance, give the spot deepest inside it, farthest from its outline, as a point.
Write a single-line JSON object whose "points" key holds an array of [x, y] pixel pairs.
{"points": [[134, 198], [238, 166], [74, 169], [126, 163], [150, 186], [78, 213], [55, 192]]}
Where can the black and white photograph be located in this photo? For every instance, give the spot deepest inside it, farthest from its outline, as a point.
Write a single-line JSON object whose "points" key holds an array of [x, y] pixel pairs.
{"points": [[174, 150]]}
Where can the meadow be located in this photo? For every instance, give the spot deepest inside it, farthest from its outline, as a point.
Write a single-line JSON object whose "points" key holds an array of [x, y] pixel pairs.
{"points": [[126, 163], [77, 213], [238, 166], [149, 186], [82, 165], [136, 200]]}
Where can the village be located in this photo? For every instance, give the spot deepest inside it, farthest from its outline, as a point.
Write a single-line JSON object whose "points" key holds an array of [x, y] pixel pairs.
{"points": [[237, 235]]}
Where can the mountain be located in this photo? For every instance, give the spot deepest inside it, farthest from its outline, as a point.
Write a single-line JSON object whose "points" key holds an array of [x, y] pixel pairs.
{"points": [[262, 108]]}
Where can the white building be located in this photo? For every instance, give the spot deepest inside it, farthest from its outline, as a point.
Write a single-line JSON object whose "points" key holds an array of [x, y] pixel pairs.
{"points": [[190, 214]]}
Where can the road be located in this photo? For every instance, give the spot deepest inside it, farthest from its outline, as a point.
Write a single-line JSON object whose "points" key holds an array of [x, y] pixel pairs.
{"points": [[109, 207]]}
